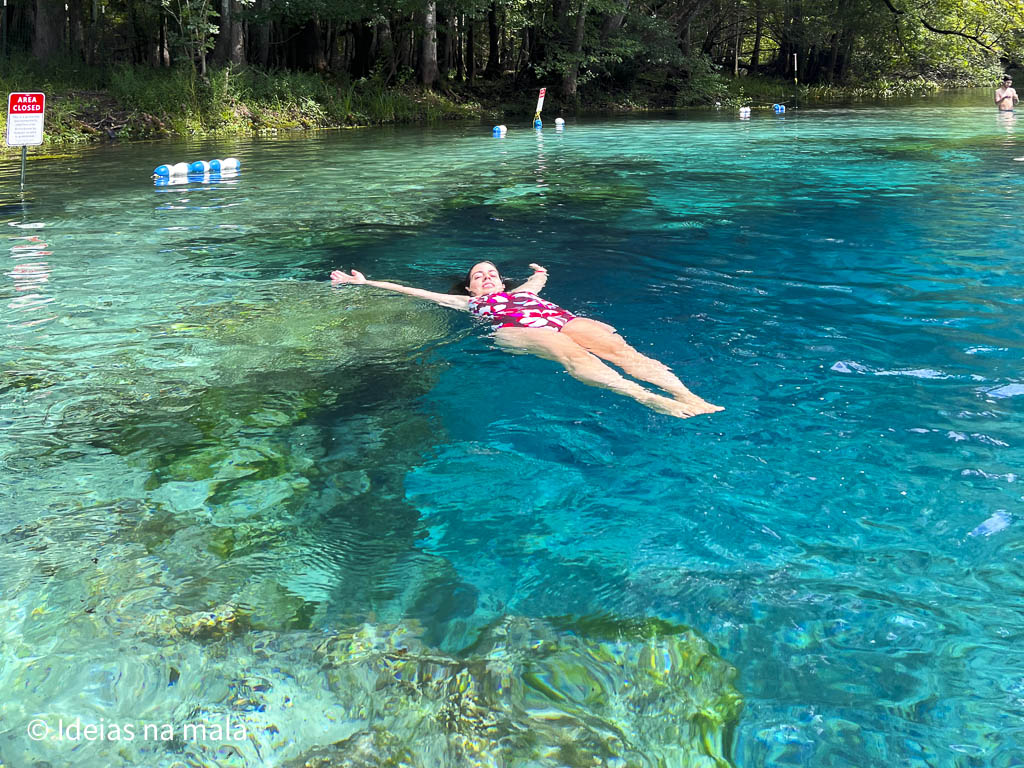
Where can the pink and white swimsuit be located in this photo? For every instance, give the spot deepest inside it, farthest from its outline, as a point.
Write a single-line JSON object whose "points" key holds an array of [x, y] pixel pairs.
{"points": [[519, 309]]}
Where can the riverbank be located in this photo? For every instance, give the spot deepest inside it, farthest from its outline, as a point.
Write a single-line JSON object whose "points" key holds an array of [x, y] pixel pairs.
{"points": [[91, 105]]}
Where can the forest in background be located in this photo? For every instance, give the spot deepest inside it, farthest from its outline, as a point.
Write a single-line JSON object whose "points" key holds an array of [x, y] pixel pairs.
{"points": [[337, 62]]}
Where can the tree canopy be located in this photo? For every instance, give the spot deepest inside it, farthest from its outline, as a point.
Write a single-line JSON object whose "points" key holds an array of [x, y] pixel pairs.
{"points": [[568, 44]]}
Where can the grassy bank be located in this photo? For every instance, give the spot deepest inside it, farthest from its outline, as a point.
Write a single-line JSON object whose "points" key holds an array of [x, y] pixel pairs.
{"points": [[97, 104], [757, 91], [87, 105]]}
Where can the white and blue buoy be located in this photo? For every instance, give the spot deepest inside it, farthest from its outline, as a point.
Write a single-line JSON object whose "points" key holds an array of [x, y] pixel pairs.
{"points": [[779, 108], [227, 164], [499, 130], [744, 111], [168, 169], [538, 124], [197, 168], [559, 124]]}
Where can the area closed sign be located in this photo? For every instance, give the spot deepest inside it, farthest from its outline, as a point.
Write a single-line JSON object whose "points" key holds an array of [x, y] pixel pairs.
{"points": [[25, 119]]}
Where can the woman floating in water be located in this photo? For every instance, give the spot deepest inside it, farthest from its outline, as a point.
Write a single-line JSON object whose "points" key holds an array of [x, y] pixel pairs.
{"points": [[525, 322]]}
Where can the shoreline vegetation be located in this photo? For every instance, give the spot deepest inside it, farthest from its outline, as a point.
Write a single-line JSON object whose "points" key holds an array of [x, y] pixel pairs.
{"points": [[136, 69], [129, 102]]}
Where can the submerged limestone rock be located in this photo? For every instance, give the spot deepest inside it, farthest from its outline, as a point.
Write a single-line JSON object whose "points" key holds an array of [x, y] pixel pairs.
{"points": [[528, 694], [122, 622], [236, 437], [294, 325], [584, 188]]}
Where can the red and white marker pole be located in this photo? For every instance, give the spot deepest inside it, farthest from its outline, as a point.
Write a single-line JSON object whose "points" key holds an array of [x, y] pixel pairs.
{"points": [[540, 106]]}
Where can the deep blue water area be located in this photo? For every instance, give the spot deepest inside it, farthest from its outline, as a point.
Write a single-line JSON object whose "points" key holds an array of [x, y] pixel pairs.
{"points": [[845, 281]]}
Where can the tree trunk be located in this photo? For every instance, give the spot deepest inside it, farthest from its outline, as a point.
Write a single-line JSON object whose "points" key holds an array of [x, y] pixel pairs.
{"points": [[387, 50], [331, 47], [49, 29], [361, 45], [236, 43], [460, 62], [755, 57], [405, 46], [263, 34], [493, 69], [736, 45], [470, 50], [222, 48], [570, 75], [313, 46], [428, 49], [844, 59], [75, 29], [614, 22], [163, 55], [442, 27]]}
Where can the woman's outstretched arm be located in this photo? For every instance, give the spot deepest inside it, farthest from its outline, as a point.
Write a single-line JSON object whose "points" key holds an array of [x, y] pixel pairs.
{"points": [[444, 299], [537, 281]]}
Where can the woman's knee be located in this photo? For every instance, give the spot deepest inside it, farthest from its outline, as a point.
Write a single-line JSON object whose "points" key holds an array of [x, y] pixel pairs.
{"points": [[587, 367]]}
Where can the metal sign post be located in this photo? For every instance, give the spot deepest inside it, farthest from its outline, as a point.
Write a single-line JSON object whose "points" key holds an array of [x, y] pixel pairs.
{"points": [[25, 123]]}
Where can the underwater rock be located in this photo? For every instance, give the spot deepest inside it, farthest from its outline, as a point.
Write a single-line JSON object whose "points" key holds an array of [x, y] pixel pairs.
{"points": [[528, 694], [582, 189], [201, 626], [292, 325], [115, 618], [14, 378], [242, 439], [266, 605]]}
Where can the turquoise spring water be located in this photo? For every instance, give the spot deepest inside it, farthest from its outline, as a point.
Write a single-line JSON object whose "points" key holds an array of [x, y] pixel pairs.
{"points": [[192, 418]]}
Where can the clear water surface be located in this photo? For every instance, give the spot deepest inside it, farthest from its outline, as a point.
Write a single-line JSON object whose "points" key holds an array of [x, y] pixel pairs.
{"points": [[190, 420]]}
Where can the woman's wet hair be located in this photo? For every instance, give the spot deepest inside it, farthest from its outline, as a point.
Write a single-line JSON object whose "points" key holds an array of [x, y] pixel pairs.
{"points": [[462, 286]]}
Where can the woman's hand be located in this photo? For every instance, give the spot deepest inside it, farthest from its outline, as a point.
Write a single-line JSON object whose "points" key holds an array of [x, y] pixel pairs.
{"points": [[339, 278], [538, 268]]}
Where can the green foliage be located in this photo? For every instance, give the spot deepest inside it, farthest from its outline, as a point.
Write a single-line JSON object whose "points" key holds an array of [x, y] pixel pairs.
{"points": [[228, 100], [623, 55], [764, 91], [25, 73], [703, 84], [194, 29], [165, 92]]}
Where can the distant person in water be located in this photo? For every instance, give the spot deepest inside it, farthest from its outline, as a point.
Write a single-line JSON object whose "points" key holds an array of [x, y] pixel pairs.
{"points": [[1006, 96], [525, 322]]}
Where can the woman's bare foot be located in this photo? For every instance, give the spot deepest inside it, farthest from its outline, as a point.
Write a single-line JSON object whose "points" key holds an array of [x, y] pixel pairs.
{"points": [[699, 405], [669, 406], [694, 403]]}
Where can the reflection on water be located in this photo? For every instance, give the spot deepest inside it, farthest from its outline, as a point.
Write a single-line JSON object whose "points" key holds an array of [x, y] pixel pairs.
{"points": [[345, 522], [30, 278]]}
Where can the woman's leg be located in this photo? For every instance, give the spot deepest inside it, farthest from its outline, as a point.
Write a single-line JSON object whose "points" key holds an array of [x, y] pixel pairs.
{"points": [[582, 365], [595, 337]]}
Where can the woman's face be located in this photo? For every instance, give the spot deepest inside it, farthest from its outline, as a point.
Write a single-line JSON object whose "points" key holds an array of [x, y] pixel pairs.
{"points": [[484, 279]]}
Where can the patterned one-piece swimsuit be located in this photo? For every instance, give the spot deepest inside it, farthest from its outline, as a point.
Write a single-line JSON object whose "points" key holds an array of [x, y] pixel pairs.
{"points": [[519, 309]]}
